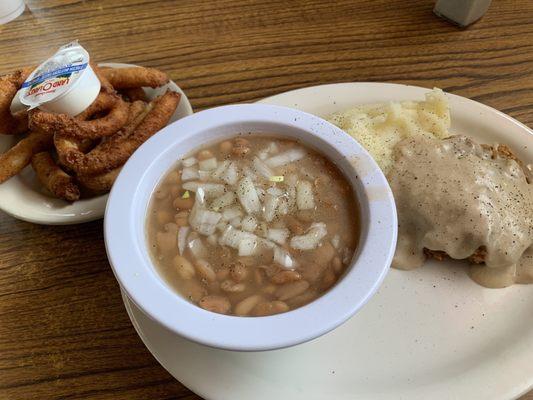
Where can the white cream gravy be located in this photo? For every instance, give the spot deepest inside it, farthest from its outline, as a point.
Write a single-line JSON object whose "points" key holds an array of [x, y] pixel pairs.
{"points": [[455, 196]]}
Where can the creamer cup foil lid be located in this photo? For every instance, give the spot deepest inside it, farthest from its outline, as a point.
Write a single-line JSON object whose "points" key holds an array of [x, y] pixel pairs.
{"points": [[57, 76]]}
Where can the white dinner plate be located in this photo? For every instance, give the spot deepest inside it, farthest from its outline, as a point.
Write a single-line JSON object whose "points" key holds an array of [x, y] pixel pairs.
{"points": [[431, 333], [23, 197]]}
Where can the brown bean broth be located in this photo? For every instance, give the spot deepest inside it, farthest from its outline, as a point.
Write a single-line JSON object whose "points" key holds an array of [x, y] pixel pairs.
{"points": [[335, 205]]}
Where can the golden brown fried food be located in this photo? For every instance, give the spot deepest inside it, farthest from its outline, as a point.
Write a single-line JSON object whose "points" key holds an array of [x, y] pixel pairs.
{"points": [[66, 145], [19, 76], [478, 257], [69, 148], [53, 178], [138, 110], [18, 123], [105, 134], [100, 183], [19, 156], [9, 85], [103, 182], [134, 77], [104, 83], [102, 103], [83, 145], [84, 129], [117, 149], [134, 94]]}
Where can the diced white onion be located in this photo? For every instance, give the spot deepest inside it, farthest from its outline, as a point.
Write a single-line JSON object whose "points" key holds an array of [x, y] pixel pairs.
{"points": [[248, 196], [208, 165], [262, 155], [203, 221], [235, 222], [197, 248], [285, 158], [232, 237], [223, 201], [247, 246], [283, 258], [262, 169], [204, 175], [273, 148], [278, 235], [200, 197], [249, 223], [192, 186], [189, 162], [283, 206], [217, 173], [231, 212], [305, 200], [211, 189], [260, 193], [182, 238], [311, 239], [247, 172], [274, 191], [189, 173], [270, 206], [231, 174]]}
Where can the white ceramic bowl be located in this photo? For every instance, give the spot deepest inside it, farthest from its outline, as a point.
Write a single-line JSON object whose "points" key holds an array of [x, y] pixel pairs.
{"points": [[128, 254]]}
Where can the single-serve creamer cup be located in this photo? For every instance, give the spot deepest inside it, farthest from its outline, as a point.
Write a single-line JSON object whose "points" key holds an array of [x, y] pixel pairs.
{"points": [[63, 84]]}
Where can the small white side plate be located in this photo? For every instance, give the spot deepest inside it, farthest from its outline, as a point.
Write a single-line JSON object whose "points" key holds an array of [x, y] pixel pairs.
{"points": [[23, 197], [430, 333]]}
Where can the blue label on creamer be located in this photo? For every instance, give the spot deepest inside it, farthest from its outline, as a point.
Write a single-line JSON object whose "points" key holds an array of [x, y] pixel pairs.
{"points": [[60, 72]]}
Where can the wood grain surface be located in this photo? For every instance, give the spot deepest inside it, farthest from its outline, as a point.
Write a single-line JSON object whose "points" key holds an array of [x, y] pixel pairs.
{"points": [[64, 333]]}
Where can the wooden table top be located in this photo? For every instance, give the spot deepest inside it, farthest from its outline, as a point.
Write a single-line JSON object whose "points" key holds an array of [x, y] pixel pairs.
{"points": [[64, 332]]}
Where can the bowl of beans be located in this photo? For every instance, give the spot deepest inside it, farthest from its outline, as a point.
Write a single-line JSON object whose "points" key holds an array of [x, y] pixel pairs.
{"points": [[250, 227]]}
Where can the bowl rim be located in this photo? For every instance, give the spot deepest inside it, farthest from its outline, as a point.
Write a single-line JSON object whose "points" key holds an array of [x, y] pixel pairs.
{"points": [[127, 248]]}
